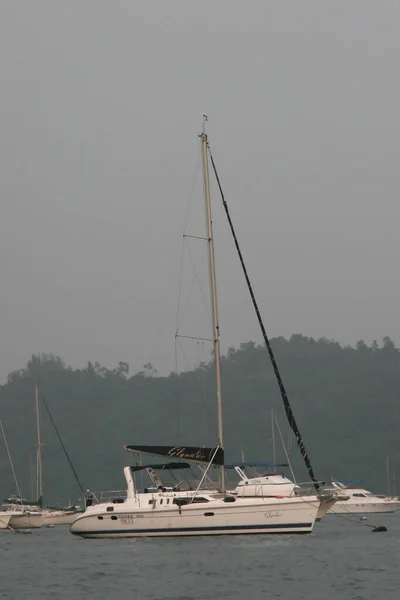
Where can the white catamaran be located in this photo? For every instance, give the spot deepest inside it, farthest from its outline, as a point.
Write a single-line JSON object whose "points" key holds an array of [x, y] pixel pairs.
{"points": [[170, 512]]}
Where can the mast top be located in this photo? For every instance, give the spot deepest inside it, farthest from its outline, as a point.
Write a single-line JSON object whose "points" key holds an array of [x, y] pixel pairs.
{"points": [[205, 119]]}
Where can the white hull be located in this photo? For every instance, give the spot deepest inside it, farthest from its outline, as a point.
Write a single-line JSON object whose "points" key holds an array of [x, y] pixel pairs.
{"points": [[26, 521], [217, 517], [360, 501], [60, 517], [4, 520], [347, 507]]}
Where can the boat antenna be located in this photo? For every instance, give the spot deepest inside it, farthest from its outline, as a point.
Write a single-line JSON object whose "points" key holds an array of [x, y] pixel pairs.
{"points": [[62, 444], [213, 290], [286, 403]]}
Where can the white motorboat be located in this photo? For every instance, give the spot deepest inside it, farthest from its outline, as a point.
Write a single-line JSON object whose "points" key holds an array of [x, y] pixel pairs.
{"points": [[275, 484], [360, 501]]}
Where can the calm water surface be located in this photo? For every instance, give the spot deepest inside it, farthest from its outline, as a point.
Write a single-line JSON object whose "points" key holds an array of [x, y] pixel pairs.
{"points": [[339, 561]]}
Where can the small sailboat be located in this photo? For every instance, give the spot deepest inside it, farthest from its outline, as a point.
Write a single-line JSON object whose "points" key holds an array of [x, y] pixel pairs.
{"points": [[174, 512], [36, 514], [17, 515], [23, 517], [51, 515]]}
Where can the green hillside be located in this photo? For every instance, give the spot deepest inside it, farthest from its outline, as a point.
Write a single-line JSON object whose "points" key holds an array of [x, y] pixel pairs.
{"points": [[345, 400]]}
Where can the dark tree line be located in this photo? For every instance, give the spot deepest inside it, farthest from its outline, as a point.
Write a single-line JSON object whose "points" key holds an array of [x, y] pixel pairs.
{"points": [[345, 399]]}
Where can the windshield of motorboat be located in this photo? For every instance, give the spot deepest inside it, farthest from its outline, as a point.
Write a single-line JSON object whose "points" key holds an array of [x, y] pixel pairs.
{"points": [[255, 470]]}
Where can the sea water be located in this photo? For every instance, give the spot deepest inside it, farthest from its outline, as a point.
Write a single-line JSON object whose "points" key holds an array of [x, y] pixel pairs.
{"points": [[340, 560]]}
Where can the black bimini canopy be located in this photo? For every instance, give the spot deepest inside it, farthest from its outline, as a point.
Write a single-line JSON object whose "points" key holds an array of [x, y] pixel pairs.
{"points": [[193, 453], [161, 467]]}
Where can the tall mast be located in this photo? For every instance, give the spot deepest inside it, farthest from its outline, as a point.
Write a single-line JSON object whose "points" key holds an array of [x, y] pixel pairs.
{"points": [[39, 482], [213, 287]]}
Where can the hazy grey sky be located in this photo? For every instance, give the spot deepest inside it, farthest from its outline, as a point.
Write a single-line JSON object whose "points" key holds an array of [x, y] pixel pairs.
{"points": [[101, 103]]}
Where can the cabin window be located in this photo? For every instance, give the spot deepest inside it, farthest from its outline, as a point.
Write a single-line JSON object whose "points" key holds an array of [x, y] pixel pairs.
{"points": [[161, 501], [209, 514], [199, 499], [181, 501], [167, 500], [110, 508], [150, 501], [100, 517], [114, 518]]}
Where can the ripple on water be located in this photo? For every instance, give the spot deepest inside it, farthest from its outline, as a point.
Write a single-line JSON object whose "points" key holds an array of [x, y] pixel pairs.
{"points": [[338, 561]]}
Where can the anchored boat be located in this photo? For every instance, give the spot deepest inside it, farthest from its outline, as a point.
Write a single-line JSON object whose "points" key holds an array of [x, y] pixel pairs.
{"points": [[166, 512]]}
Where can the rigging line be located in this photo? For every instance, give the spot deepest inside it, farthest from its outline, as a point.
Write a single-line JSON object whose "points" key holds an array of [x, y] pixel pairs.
{"points": [[188, 364], [11, 462], [183, 230], [190, 198], [309, 502], [285, 399], [203, 392], [204, 474], [202, 427], [178, 304], [169, 271], [178, 394], [183, 310], [341, 516], [61, 442], [196, 275], [284, 448]]}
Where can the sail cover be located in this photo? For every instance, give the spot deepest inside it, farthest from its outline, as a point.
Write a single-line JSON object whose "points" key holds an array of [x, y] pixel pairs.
{"points": [[194, 453]]}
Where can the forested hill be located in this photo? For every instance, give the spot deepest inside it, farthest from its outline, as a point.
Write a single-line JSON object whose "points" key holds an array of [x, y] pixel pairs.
{"points": [[345, 400]]}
